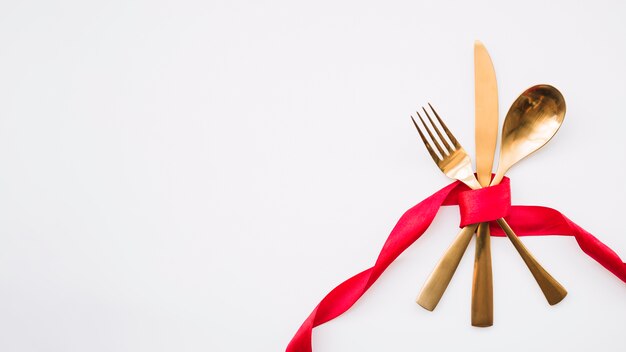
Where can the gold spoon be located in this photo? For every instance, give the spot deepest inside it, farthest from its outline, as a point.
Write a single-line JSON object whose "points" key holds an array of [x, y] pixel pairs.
{"points": [[531, 122], [533, 119]]}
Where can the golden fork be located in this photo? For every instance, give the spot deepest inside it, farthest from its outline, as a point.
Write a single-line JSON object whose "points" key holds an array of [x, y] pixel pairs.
{"points": [[455, 163]]}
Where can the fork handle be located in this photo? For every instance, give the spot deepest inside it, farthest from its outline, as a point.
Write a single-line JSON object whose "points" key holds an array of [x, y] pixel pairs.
{"points": [[438, 281], [551, 288]]}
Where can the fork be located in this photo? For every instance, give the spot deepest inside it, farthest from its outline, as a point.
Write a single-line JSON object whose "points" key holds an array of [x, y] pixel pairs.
{"points": [[454, 160], [455, 163]]}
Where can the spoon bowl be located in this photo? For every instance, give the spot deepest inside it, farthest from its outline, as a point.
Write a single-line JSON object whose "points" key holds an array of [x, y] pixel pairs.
{"points": [[533, 119]]}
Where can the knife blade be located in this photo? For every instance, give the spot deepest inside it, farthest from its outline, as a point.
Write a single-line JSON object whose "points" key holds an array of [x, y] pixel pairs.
{"points": [[486, 135], [486, 112]]}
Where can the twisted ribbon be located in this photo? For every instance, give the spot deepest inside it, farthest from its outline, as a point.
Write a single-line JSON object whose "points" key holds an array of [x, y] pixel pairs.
{"points": [[482, 205]]}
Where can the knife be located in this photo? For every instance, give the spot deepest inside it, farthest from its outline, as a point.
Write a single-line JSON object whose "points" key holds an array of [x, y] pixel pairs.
{"points": [[486, 135]]}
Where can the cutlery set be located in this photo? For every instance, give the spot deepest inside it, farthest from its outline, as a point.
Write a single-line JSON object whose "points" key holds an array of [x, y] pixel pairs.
{"points": [[483, 199], [530, 123]]}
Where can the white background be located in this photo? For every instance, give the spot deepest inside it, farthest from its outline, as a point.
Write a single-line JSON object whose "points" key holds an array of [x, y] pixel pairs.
{"points": [[196, 176]]}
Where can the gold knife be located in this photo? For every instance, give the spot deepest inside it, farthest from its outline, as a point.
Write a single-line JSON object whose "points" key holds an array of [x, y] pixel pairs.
{"points": [[482, 291], [486, 135]]}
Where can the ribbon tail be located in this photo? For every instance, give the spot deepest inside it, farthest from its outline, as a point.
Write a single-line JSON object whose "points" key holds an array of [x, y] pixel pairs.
{"points": [[599, 251], [409, 228], [336, 302], [544, 221]]}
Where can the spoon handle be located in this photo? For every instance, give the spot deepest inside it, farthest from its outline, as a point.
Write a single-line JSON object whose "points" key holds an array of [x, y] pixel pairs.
{"points": [[551, 288]]}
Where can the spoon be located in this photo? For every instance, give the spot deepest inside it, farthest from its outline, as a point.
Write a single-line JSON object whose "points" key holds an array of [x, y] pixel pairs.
{"points": [[533, 119]]}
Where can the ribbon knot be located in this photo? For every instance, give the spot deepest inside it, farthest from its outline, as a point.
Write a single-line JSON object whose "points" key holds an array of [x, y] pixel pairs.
{"points": [[485, 204]]}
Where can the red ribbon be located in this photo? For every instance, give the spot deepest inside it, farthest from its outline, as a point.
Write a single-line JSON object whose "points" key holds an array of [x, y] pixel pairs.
{"points": [[485, 204], [476, 206]]}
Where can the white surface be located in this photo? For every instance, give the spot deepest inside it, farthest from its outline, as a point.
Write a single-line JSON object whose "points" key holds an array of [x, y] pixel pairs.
{"points": [[196, 176]]}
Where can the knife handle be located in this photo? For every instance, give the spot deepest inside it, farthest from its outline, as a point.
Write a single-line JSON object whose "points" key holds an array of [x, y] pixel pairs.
{"points": [[482, 284], [438, 281]]}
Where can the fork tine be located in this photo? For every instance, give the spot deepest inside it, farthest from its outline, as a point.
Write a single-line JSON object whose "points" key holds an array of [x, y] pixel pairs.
{"points": [[432, 137], [443, 140], [432, 153], [445, 128]]}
